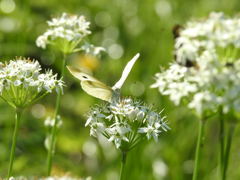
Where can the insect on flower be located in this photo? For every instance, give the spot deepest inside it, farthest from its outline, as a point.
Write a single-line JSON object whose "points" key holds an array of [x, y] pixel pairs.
{"points": [[176, 30], [98, 89]]}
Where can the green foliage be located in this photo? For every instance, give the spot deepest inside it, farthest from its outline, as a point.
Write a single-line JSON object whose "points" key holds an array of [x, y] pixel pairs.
{"points": [[137, 26]]}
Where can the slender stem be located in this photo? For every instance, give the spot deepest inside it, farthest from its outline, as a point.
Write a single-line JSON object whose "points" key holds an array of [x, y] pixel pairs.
{"points": [[54, 128], [221, 139], [123, 163], [198, 148], [34, 99], [227, 150], [14, 140]]}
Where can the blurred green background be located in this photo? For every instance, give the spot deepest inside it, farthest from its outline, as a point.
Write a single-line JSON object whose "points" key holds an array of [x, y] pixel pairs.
{"points": [[123, 27]]}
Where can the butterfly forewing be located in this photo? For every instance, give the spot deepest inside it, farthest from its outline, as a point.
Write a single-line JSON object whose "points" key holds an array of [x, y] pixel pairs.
{"points": [[126, 72]]}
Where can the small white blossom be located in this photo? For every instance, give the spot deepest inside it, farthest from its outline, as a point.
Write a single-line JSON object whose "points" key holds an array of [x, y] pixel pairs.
{"points": [[47, 142], [125, 122], [203, 101], [49, 122], [173, 82], [21, 82], [91, 49], [66, 33], [206, 71]]}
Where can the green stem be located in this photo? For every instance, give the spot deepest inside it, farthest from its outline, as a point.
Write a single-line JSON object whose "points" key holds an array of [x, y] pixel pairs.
{"points": [[14, 140], [198, 148], [54, 128], [227, 150], [34, 99], [123, 163], [222, 142]]}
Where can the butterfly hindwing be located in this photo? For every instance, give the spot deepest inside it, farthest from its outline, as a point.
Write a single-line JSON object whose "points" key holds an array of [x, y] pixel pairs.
{"points": [[91, 85], [97, 90]]}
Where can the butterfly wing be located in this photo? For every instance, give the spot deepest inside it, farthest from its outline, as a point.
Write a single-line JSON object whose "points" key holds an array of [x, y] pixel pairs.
{"points": [[126, 72], [91, 85], [97, 90]]}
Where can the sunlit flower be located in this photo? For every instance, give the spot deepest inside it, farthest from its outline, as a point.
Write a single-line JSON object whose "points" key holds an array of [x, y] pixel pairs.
{"points": [[175, 83], [91, 49], [49, 122], [206, 71], [126, 122], [22, 83], [66, 33]]}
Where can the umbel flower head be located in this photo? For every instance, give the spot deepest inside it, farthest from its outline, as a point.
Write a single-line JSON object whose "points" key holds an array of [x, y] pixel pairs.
{"points": [[126, 122], [66, 33], [22, 83], [206, 71]]}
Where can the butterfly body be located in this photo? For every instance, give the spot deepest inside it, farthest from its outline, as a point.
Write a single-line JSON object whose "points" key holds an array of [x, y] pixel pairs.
{"points": [[98, 89]]}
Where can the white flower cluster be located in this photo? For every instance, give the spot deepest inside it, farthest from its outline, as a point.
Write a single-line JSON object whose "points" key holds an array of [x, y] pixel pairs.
{"points": [[21, 82], [65, 32], [207, 69], [125, 122], [217, 33], [67, 27]]}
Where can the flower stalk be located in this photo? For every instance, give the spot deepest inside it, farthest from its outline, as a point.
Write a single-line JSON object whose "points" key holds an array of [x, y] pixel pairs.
{"points": [[126, 122], [227, 151], [123, 164], [14, 140], [21, 85], [198, 148], [222, 140], [53, 134]]}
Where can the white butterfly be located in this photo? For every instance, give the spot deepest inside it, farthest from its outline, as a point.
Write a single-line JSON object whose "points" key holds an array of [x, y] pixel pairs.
{"points": [[98, 89]]}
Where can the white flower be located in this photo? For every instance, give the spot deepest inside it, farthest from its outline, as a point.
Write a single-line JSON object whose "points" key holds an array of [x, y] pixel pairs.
{"points": [[150, 131], [206, 71], [173, 82], [49, 122], [66, 33], [91, 49], [203, 101], [47, 142], [21, 82], [125, 122]]}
